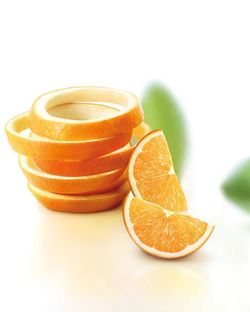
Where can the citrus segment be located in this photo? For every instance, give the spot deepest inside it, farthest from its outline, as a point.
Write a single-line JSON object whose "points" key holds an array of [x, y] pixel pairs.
{"points": [[80, 204], [39, 147], [161, 232], [151, 173], [129, 115]]}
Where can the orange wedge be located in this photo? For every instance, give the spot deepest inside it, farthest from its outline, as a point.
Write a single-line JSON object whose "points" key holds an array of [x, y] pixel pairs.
{"points": [[151, 173], [45, 122], [163, 233], [86, 203], [38, 147], [105, 163], [67, 185]]}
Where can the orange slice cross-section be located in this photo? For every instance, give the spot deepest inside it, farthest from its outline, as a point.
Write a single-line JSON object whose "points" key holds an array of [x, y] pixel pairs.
{"points": [[151, 173], [163, 233]]}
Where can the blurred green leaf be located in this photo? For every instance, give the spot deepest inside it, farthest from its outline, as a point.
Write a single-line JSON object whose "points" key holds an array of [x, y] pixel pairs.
{"points": [[237, 186], [163, 112]]}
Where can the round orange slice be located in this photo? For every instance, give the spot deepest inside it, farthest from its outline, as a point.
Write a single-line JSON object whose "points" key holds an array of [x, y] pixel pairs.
{"points": [[48, 120], [151, 173], [105, 163], [83, 203], [163, 233], [39, 147], [67, 185]]}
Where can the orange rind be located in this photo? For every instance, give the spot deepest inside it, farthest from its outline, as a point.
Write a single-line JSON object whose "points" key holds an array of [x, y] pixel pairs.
{"points": [[45, 123], [80, 203], [105, 163], [163, 233], [39, 147], [68, 185]]}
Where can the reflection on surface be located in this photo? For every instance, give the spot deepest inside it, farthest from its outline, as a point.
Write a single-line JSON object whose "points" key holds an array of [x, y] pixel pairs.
{"points": [[74, 251], [170, 287], [89, 261]]}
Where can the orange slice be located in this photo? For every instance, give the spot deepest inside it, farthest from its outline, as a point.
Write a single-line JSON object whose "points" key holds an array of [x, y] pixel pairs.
{"points": [[151, 173], [45, 115], [163, 233], [86, 203], [67, 185], [39, 147], [105, 163]]}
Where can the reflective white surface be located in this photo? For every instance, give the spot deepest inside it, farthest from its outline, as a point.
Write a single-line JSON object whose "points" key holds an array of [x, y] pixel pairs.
{"points": [[87, 262], [52, 262]]}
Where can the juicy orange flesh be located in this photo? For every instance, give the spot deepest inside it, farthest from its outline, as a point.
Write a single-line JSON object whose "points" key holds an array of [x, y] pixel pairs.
{"points": [[153, 181], [165, 233]]}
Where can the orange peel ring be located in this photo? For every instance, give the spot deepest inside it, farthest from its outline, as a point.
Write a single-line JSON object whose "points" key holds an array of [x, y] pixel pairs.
{"points": [[40, 147], [108, 162], [80, 203], [128, 114], [70, 185]]}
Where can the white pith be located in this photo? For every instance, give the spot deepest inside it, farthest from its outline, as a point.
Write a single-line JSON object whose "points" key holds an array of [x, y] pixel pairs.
{"points": [[65, 96], [168, 255], [85, 111]]}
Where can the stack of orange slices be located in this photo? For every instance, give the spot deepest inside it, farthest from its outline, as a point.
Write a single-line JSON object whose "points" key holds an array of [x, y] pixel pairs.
{"points": [[79, 156], [76, 153]]}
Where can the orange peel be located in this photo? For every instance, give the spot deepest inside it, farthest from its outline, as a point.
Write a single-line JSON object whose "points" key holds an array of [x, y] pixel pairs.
{"points": [[45, 124], [39, 147], [79, 203], [108, 162], [67, 185]]}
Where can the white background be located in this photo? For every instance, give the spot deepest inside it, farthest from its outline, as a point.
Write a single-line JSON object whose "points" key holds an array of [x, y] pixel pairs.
{"points": [[201, 51]]}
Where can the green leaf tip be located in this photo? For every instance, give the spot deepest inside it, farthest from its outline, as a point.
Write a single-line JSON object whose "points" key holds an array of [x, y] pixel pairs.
{"points": [[162, 111], [237, 187]]}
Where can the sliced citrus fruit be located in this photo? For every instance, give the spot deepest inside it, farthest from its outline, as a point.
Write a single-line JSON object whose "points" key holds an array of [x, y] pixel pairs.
{"points": [[76, 168], [163, 233], [45, 115], [39, 147], [151, 173], [85, 203], [67, 185], [108, 162]]}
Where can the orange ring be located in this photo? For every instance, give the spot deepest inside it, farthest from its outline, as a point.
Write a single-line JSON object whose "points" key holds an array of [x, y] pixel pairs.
{"points": [[45, 124], [67, 185], [83, 204], [51, 149], [108, 162]]}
